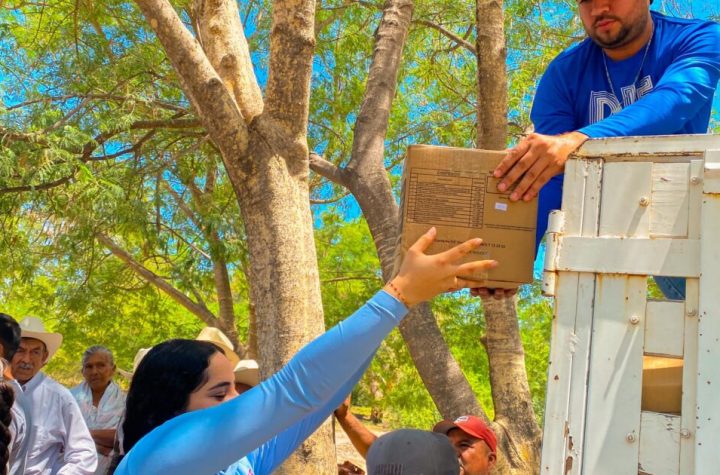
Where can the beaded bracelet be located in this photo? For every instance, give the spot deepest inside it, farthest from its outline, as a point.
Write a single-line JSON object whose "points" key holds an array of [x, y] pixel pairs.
{"points": [[399, 294]]}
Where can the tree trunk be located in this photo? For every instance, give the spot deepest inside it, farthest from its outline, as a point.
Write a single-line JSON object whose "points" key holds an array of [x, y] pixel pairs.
{"points": [[492, 76], [519, 435], [366, 178], [264, 149], [286, 282]]}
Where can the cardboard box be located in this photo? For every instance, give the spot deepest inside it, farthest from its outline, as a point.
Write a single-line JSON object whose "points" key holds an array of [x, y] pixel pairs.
{"points": [[662, 384], [453, 189]]}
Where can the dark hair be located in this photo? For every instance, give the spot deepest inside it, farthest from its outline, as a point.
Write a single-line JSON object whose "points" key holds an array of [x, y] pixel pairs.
{"points": [[7, 398], [161, 386], [9, 335]]}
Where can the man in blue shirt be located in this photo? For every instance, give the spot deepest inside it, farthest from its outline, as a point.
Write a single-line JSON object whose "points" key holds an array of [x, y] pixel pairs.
{"points": [[638, 73]]}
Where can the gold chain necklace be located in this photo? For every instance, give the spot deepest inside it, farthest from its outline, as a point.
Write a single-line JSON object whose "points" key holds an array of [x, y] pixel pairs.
{"points": [[642, 63]]}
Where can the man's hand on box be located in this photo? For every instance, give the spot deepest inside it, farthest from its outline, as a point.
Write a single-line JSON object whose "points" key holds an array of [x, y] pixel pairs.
{"points": [[534, 161], [498, 294]]}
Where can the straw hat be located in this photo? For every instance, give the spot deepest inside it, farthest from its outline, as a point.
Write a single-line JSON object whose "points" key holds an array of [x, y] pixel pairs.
{"points": [[136, 362], [33, 327], [247, 372], [214, 335]]}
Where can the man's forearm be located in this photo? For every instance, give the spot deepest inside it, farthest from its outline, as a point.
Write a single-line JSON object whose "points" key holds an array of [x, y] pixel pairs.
{"points": [[358, 434]]}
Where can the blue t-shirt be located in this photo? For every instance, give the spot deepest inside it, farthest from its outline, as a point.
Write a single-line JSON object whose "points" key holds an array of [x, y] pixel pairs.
{"points": [[672, 95], [255, 432]]}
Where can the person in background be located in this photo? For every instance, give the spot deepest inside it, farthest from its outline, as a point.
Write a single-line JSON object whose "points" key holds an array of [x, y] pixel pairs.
{"points": [[61, 441], [247, 375], [101, 401], [412, 451], [18, 419], [184, 417], [220, 339], [474, 441]]}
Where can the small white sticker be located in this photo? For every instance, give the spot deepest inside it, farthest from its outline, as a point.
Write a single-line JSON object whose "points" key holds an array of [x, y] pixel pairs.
{"points": [[501, 206]]}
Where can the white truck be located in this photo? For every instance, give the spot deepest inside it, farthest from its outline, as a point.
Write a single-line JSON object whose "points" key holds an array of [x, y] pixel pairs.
{"points": [[634, 208]]}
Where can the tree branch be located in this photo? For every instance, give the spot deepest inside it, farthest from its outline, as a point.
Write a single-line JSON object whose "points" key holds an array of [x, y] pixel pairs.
{"points": [[186, 241], [67, 116], [372, 123], [112, 97], [200, 311], [328, 201], [183, 206], [221, 276], [42, 186], [449, 34], [201, 83], [223, 40], [328, 170], [292, 45]]}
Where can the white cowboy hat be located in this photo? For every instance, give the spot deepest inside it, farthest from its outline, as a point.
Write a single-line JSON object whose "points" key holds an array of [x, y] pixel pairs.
{"points": [[136, 362], [247, 372], [33, 327], [214, 335]]}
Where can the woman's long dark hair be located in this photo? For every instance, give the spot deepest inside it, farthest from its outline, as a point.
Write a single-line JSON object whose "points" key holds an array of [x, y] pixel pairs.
{"points": [[7, 398], [161, 386]]}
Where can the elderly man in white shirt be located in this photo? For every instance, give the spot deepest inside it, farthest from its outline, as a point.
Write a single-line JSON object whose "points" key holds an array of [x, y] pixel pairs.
{"points": [[101, 401], [61, 442]]}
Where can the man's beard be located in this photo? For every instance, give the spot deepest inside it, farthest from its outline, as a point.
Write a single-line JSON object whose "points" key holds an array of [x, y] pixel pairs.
{"points": [[626, 34]]}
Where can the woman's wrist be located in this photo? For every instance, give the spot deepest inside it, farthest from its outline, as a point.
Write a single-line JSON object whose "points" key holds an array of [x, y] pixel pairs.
{"points": [[396, 288]]}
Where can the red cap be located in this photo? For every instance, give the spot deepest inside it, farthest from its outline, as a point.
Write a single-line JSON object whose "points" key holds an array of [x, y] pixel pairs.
{"points": [[470, 425]]}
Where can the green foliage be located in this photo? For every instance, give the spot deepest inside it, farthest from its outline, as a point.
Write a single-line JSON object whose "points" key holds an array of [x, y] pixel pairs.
{"points": [[349, 276], [98, 138]]}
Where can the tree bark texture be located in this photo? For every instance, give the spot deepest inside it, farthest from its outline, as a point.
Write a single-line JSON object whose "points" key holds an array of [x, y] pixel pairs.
{"points": [[492, 75], [366, 178], [519, 436], [263, 143], [223, 40]]}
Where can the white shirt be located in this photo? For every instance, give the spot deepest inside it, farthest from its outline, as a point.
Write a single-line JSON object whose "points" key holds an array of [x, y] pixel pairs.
{"points": [[61, 441], [106, 415], [19, 431]]}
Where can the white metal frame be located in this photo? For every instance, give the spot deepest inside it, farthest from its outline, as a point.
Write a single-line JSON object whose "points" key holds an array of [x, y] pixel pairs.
{"points": [[632, 208]]}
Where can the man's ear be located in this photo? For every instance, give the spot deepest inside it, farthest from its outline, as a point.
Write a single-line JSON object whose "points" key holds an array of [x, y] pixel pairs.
{"points": [[46, 355]]}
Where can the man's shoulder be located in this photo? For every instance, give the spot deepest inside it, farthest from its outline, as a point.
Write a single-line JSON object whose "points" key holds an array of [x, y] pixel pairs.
{"points": [[57, 389], [677, 27], [680, 22], [573, 56]]}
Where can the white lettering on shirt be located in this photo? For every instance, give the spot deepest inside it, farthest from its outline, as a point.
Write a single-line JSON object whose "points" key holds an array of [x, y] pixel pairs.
{"points": [[603, 104]]}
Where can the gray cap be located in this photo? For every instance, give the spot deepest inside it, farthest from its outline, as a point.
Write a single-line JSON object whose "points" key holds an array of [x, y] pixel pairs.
{"points": [[412, 452]]}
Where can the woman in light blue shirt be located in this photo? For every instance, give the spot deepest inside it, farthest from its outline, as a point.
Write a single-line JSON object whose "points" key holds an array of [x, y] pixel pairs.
{"points": [[175, 423]]}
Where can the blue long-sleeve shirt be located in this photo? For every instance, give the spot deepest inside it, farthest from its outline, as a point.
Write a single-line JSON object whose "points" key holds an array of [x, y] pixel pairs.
{"points": [[672, 90], [667, 92], [255, 432]]}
